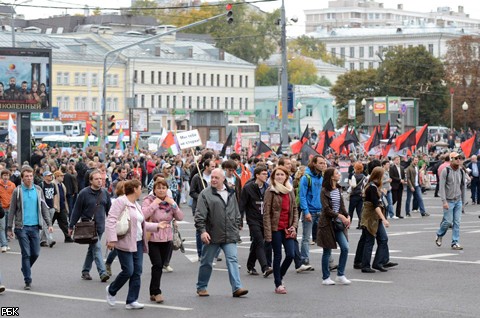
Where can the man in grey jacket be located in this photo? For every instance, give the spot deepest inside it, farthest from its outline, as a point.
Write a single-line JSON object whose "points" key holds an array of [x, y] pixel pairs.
{"points": [[452, 193], [218, 221], [27, 210]]}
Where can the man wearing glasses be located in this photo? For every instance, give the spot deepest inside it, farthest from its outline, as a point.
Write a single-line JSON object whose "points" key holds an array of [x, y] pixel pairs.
{"points": [[452, 193]]}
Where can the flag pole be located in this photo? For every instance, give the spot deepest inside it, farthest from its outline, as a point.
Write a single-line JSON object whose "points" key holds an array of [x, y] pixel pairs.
{"points": [[198, 168]]}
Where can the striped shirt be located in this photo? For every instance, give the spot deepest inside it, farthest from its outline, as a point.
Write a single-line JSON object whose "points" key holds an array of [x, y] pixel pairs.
{"points": [[335, 195]]}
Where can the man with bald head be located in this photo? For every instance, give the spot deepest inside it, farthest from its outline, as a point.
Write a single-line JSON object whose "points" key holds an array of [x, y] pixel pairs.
{"points": [[218, 220]]}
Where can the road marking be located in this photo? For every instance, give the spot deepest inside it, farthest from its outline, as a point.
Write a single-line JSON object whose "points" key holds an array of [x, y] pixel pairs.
{"points": [[91, 299], [192, 257], [403, 233], [473, 232], [371, 281], [431, 256]]}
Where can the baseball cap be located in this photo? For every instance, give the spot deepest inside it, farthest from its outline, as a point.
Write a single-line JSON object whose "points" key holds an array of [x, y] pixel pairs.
{"points": [[47, 173], [454, 155], [166, 166]]}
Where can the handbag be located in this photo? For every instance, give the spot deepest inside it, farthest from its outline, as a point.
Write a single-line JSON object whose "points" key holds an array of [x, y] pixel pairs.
{"points": [[123, 223], [85, 231], [177, 239], [338, 225], [290, 233]]}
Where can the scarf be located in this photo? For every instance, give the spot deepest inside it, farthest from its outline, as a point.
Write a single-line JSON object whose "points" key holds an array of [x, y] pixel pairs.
{"points": [[283, 189]]}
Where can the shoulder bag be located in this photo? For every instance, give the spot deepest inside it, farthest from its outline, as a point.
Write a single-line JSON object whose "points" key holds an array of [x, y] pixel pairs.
{"points": [[123, 223], [85, 231]]}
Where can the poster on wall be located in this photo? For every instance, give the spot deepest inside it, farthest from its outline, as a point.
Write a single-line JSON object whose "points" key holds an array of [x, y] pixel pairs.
{"points": [[139, 118], [25, 80]]}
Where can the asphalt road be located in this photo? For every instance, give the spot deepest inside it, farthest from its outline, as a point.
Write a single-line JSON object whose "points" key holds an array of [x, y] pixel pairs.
{"points": [[429, 281]]}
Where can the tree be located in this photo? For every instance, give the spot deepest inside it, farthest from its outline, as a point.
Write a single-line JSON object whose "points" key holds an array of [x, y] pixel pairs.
{"points": [[302, 71], [314, 48], [414, 72], [462, 67], [354, 85], [97, 11], [323, 81], [266, 75], [145, 8]]}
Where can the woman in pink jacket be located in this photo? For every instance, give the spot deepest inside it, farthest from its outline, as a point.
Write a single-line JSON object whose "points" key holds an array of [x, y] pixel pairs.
{"points": [[131, 246], [160, 208]]}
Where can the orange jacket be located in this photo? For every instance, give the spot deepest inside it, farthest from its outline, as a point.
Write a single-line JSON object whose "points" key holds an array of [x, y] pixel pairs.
{"points": [[6, 193]]}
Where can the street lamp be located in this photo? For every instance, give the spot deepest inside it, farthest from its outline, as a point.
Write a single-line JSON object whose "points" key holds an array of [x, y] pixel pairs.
{"points": [[465, 108], [299, 108]]}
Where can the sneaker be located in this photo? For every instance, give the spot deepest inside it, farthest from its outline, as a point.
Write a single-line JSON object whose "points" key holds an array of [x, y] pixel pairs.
{"points": [[4, 249], [457, 247], [167, 269], [252, 272], [110, 299], [438, 241], [333, 268], [104, 278], [108, 268], [8, 248], [328, 282], [134, 305], [68, 239], [267, 272], [408, 215], [414, 211], [280, 290], [203, 293], [27, 286], [342, 280], [213, 264], [219, 259], [86, 276], [52, 243], [394, 217], [426, 214], [312, 242], [2, 289], [304, 268], [43, 244]]}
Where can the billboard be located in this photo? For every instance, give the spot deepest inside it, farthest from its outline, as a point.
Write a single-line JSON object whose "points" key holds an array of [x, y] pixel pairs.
{"points": [[25, 80], [139, 119]]}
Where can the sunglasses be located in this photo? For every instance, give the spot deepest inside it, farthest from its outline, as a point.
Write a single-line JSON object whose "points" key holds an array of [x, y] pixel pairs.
{"points": [[457, 158]]}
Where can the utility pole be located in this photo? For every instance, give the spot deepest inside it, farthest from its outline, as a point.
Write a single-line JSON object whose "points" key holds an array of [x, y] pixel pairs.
{"points": [[284, 78]]}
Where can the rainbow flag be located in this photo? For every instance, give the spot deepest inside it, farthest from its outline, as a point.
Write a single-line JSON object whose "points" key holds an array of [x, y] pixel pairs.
{"points": [[136, 147], [87, 133], [120, 144]]}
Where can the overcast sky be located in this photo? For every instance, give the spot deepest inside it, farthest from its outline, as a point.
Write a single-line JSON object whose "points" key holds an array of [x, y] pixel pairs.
{"points": [[293, 7]]}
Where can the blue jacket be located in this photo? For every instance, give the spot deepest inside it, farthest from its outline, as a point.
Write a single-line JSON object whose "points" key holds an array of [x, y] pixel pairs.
{"points": [[310, 195]]}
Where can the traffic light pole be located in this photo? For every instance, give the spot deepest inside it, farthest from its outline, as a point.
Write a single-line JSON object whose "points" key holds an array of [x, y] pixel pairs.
{"points": [[284, 79], [105, 145]]}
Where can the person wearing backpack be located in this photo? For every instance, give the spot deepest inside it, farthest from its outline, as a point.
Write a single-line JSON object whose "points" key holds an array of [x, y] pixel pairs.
{"points": [[310, 205], [452, 193], [356, 185]]}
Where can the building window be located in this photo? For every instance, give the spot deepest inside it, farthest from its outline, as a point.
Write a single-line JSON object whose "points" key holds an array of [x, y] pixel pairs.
{"points": [[212, 102], [167, 79], [115, 80], [430, 48], [76, 103], [240, 103], [240, 81], [83, 103], [218, 102], [246, 81], [152, 77], [370, 51], [361, 52], [226, 102], [198, 102], [184, 102], [226, 80], [76, 79], [135, 76], [198, 79], [174, 78], [342, 52], [152, 101], [352, 52], [66, 102], [159, 101], [190, 102], [204, 102], [361, 66], [246, 102], [204, 79], [370, 64], [168, 101], [352, 66], [94, 103], [59, 102], [218, 80], [232, 81], [190, 79], [115, 104], [333, 51], [231, 103], [212, 80], [159, 77], [142, 77], [94, 79], [59, 78], [174, 102], [309, 112], [183, 78], [66, 78]]}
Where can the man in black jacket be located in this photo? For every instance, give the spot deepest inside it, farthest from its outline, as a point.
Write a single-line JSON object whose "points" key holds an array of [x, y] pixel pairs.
{"points": [[251, 205], [397, 174]]}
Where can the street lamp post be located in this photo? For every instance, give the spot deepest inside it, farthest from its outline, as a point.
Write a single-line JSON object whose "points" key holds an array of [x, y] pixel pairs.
{"points": [[298, 108], [364, 103], [465, 108]]}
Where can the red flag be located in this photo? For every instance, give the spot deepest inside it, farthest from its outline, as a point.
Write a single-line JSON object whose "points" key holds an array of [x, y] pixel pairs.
{"points": [[238, 142], [246, 175], [338, 142], [405, 140], [297, 145], [386, 132], [250, 151], [387, 147], [421, 137], [470, 146], [374, 139], [321, 142]]}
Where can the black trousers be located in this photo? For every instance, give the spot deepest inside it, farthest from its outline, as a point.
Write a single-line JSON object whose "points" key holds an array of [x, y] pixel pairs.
{"points": [[259, 249], [158, 252], [62, 219], [397, 198]]}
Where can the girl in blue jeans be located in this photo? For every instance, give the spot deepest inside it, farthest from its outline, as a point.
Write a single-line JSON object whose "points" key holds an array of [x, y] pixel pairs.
{"points": [[333, 211], [280, 219]]}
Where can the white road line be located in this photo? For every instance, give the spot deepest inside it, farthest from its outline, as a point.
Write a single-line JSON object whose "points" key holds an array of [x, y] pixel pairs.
{"points": [[472, 232], [403, 233], [431, 256], [91, 299], [192, 257], [371, 281]]}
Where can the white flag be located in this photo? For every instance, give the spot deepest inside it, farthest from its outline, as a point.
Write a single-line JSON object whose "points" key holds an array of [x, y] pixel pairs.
{"points": [[12, 131]]}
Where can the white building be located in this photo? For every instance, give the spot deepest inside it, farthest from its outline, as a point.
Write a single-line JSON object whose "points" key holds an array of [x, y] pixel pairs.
{"points": [[367, 13]]}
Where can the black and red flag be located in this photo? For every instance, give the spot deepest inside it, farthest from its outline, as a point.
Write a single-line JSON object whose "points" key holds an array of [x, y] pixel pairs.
{"points": [[421, 139], [297, 145], [279, 150], [374, 139], [329, 125], [470, 146], [262, 148], [351, 138], [226, 144], [386, 131], [339, 142], [389, 144], [307, 152], [406, 140]]}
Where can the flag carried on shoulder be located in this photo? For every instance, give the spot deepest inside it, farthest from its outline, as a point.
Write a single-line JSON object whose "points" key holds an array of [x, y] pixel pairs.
{"points": [[227, 143]]}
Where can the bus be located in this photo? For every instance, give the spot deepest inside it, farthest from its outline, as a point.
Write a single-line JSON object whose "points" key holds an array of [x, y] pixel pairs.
{"points": [[249, 132], [78, 141], [45, 128]]}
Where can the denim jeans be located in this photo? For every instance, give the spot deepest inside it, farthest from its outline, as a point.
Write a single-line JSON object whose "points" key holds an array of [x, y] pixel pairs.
{"points": [[205, 270], [279, 239], [382, 255], [3, 237], [131, 263], [46, 236], [306, 233], [111, 256], [94, 253], [388, 196], [342, 261], [452, 215], [475, 187], [418, 195], [29, 242]]}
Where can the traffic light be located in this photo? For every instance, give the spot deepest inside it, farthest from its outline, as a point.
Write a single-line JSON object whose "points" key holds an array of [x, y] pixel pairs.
{"points": [[399, 125], [229, 8], [111, 125], [95, 125]]}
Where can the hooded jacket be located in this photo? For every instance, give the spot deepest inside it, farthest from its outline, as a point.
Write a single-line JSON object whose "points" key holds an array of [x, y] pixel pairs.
{"points": [[310, 195]]}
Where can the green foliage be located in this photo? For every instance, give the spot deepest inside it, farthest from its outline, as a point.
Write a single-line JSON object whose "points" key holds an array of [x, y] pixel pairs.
{"points": [[314, 48], [266, 75], [142, 8], [323, 81]]}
